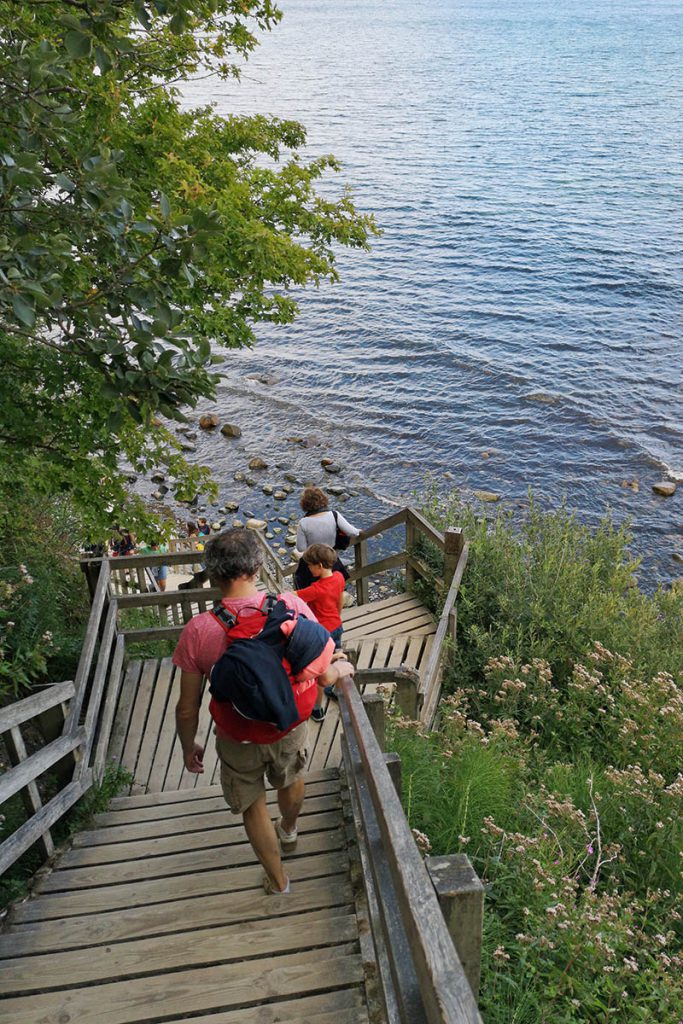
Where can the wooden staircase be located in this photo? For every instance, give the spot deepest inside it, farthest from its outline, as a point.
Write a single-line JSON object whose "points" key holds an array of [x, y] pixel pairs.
{"points": [[158, 913]]}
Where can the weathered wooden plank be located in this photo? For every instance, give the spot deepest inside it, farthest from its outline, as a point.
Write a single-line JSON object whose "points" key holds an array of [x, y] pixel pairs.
{"points": [[29, 770], [188, 992], [165, 953], [382, 652], [343, 1006], [372, 623], [136, 894], [219, 817], [29, 833], [174, 797], [388, 523], [365, 654], [16, 750], [327, 730], [381, 565], [109, 709], [443, 986], [30, 707], [424, 527], [167, 865], [124, 709], [167, 598], [411, 658], [88, 650], [159, 633], [376, 609], [409, 622], [152, 730], [398, 650], [461, 898], [221, 907], [143, 696], [107, 642], [430, 688], [168, 748], [190, 806], [226, 833]]}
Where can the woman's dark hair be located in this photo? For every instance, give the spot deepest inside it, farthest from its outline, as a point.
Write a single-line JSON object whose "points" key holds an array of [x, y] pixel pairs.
{"points": [[313, 500], [191, 528], [232, 554]]}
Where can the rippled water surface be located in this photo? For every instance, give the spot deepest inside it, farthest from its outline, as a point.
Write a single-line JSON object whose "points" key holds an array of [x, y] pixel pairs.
{"points": [[524, 162]]}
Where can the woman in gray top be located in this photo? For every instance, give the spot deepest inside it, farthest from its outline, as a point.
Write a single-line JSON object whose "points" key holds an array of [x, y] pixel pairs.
{"points": [[319, 526]]}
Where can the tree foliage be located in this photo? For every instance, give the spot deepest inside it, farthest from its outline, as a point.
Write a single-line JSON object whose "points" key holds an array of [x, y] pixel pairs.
{"points": [[138, 238]]}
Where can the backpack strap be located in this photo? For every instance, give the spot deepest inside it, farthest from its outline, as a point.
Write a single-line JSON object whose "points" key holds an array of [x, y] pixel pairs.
{"points": [[227, 621]]}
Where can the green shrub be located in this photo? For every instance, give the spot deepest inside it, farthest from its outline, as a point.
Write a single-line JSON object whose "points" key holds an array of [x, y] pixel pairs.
{"points": [[543, 585], [43, 598], [557, 768]]}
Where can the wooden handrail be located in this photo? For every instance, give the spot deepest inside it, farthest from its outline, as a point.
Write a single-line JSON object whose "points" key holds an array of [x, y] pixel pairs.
{"points": [[30, 707], [82, 723], [427, 981], [425, 527], [430, 691]]}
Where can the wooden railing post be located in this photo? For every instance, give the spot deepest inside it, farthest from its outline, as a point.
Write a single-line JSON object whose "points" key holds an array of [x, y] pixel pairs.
{"points": [[410, 550], [374, 709], [393, 762], [30, 795], [461, 898], [361, 560], [407, 685], [454, 543]]}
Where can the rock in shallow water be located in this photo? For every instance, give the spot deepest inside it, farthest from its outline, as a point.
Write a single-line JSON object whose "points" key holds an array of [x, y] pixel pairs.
{"points": [[258, 463], [666, 488], [486, 495], [256, 524], [231, 430], [208, 421]]}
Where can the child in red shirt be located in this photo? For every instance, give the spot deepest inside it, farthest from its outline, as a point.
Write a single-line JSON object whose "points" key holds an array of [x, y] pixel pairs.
{"points": [[325, 598]]}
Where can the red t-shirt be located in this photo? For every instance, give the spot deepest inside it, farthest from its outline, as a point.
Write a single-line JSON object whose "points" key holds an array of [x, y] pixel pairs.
{"points": [[323, 597], [203, 641]]}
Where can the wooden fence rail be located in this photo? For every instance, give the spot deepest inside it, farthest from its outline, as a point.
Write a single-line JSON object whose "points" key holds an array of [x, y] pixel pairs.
{"points": [[82, 743], [421, 978]]}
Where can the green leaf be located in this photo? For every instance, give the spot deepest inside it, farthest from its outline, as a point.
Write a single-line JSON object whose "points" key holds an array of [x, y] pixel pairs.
{"points": [[102, 59], [164, 206], [23, 311], [78, 44]]}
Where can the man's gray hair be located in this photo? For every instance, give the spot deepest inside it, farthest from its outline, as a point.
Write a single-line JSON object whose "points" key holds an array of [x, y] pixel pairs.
{"points": [[232, 554]]}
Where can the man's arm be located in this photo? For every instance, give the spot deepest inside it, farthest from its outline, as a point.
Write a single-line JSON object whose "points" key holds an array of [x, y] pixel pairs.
{"points": [[187, 720]]}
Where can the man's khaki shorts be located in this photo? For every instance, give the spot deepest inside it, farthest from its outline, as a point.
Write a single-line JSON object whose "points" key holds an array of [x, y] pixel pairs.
{"points": [[243, 766]]}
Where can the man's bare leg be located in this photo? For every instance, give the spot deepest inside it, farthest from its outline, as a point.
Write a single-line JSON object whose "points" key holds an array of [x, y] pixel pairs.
{"points": [[266, 846], [290, 801]]}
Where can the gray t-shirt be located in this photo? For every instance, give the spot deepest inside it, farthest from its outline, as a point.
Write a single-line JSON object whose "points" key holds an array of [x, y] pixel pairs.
{"points": [[322, 529]]}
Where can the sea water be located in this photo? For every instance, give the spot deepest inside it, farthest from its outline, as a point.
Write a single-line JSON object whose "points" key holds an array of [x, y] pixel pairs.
{"points": [[518, 324]]}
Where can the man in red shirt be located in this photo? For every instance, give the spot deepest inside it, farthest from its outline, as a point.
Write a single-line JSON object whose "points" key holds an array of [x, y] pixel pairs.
{"points": [[249, 750]]}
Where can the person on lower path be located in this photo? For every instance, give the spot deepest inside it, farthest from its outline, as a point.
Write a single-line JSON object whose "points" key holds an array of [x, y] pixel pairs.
{"points": [[325, 597], [249, 750]]}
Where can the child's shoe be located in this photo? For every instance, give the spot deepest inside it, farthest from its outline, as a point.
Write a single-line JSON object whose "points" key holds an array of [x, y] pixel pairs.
{"points": [[318, 714]]}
